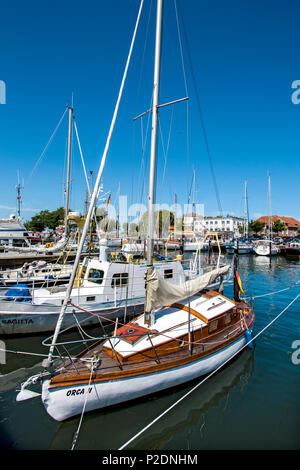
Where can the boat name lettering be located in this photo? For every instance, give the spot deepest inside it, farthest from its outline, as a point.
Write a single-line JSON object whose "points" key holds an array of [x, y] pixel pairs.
{"points": [[15, 321], [78, 391]]}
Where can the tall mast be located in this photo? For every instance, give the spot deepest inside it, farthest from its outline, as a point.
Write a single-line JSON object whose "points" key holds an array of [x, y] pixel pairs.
{"points": [[19, 197], [270, 208], [68, 169], [49, 361], [193, 210], [118, 215], [152, 177], [246, 222]]}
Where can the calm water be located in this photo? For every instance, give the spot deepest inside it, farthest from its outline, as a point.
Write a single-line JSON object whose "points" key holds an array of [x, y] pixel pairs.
{"points": [[253, 403]]}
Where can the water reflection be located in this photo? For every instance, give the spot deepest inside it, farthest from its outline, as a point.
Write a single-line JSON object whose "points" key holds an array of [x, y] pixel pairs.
{"points": [[99, 430]]}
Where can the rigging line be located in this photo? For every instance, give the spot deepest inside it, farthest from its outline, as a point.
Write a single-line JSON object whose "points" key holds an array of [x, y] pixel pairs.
{"points": [[83, 164], [47, 145], [140, 80], [186, 90], [81, 155], [181, 50], [82, 413], [202, 119], [165, 151], [207, 376], [143, 166]]}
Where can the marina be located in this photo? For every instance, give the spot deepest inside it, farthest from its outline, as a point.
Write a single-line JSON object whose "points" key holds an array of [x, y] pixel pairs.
{"points": [[233, 399], [134, 316]]}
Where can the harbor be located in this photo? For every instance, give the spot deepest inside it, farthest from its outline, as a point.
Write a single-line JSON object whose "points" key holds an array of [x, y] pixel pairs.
{"points": [[150, 252], [233, 400]]}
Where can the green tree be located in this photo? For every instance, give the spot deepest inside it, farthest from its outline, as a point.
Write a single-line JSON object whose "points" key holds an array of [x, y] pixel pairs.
{"points": [[278, 226], [46, 219], [256, 226], [36, 224], [163, 219]]}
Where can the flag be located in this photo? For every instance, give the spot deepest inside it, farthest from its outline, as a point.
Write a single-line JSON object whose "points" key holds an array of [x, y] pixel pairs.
{"points": [[239, 282], [108, 202]]}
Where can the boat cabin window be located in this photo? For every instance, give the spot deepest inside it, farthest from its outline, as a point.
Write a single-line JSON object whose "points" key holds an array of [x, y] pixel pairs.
{"points": [[168, 273], [212, 326], [96, 275], [120, 280], [4, 241], [227, 318], [17, 242]]}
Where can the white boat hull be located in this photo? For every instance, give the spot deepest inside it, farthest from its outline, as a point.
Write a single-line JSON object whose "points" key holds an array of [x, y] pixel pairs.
{"points": [[195, 246], [242, 250], [64, 402], [29, 319], [264, 250]]}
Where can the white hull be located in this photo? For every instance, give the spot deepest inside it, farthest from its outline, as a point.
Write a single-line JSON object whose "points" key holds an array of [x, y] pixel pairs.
{"points": [[193, 246], [65, 402], [243, 250], [39, 319], [133, 248], [264, 250]]}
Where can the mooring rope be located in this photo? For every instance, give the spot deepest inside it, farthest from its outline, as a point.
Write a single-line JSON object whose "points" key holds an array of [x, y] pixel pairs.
{"points": [[82, 413], [272, 293], [206, 378]]}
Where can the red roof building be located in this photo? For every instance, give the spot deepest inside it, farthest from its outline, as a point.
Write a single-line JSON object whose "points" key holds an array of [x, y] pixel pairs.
{"points": [[292, 225]]}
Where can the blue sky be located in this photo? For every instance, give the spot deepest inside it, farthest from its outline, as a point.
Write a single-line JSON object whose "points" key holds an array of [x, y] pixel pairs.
{"points": [[244, 59]]}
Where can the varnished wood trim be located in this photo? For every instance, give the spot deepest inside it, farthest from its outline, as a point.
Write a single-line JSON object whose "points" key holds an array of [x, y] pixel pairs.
{"points": [[187, 309]]}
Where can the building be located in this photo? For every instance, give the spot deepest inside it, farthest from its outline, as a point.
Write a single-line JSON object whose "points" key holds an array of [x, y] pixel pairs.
{"points": [[292, 225], [226, 225], [190, 220], [229, 224]]}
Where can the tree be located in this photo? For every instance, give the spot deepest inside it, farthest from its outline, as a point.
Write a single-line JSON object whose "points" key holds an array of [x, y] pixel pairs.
{"points": [[163, 219], [36, 224], [278, 226], [46, 219], [256, 226], [241, 229]]}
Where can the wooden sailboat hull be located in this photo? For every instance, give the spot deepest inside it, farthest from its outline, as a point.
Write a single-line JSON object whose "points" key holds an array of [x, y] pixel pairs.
{"points": [[64, 402]]}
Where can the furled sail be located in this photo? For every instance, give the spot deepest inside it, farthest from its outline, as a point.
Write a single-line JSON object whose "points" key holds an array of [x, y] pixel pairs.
{"points": [[160, 293], [42, 248]]}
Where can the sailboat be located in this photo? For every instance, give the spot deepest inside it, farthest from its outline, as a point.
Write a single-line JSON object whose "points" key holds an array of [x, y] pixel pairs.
{"points": [[185, 330], [243, 246], [194, 242], [267, 247]]}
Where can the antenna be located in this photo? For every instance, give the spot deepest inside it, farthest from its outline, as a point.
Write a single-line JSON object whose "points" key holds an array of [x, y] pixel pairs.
{"points": [[19, 197]]}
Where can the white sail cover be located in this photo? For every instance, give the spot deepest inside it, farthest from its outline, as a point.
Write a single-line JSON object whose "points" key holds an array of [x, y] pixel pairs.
{"points": [[160, 293], [41, 248]]}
